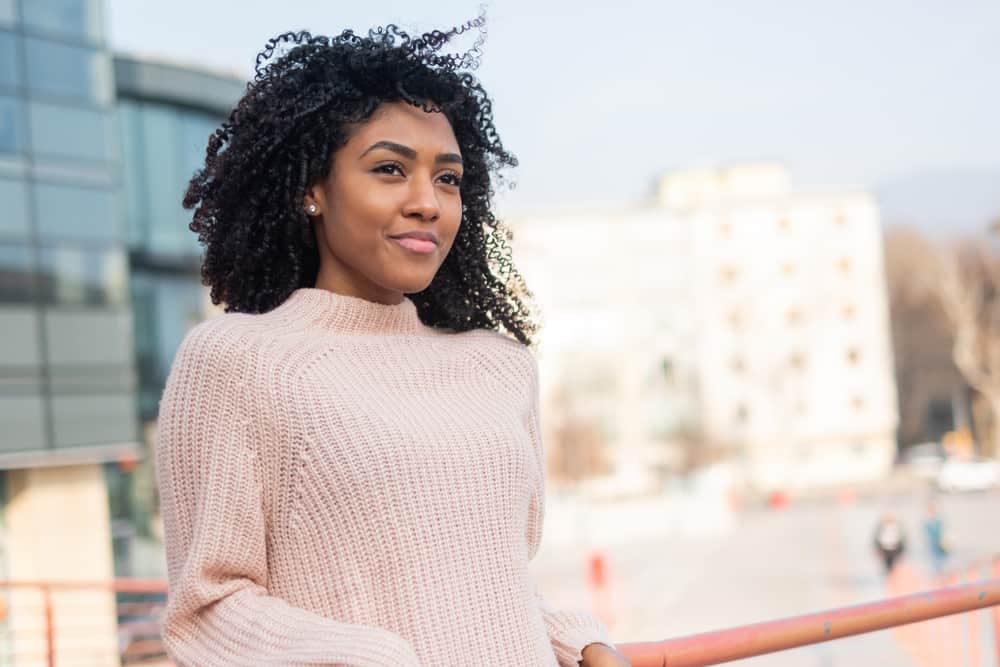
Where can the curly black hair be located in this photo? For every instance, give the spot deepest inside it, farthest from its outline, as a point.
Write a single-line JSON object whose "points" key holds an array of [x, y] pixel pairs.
{"points": [[280, 139]]}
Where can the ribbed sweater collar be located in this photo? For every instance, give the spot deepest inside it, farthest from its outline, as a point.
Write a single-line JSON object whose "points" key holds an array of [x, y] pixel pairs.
{"points": [[330, 311]]}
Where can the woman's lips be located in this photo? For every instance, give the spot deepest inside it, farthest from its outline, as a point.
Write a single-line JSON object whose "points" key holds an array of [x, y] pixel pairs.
{"points": [[421, 246]]}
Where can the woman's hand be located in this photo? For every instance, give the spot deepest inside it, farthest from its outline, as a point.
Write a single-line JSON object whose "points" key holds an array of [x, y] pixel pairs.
{"points": [[600, 655]]}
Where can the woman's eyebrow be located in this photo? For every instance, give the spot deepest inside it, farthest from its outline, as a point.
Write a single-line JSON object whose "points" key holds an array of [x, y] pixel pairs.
{"points": [[409, 153]]}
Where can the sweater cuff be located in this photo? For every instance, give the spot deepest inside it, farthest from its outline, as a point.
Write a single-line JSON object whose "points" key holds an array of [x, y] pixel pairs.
{"points": [[571, 633]]}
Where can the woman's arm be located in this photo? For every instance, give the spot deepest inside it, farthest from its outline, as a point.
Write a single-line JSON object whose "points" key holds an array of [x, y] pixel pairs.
{"points": [[219, 612]]}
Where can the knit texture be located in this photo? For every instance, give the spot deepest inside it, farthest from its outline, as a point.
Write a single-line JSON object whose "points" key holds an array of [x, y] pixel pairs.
{"points": [[342, 485]]}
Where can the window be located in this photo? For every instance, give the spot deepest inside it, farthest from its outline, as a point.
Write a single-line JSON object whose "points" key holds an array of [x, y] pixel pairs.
{"points": [[70, 132], [738, 365], [17, 274], [76, 276], [10, 65], [93, 419], [7, 14], [742, 414], [72, 18], [14, 220], [73, 212], [11, 127], [163, 169], [73, 71], [78, 337], [729, 274], [19, 325], [23, 419]]}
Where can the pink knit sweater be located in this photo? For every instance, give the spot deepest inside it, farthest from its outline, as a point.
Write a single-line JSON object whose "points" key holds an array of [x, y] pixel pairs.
{"points": [[342, 485]]}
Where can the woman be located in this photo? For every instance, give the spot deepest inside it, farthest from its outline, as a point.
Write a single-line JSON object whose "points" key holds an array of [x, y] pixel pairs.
{"points": [[349, 459]]}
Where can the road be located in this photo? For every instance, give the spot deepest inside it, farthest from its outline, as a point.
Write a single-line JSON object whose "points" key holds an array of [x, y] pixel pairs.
{"points": [[766, 564]]}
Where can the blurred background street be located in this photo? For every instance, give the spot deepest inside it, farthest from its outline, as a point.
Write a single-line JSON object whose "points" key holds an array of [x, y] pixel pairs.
{"points": [[762, 564]]}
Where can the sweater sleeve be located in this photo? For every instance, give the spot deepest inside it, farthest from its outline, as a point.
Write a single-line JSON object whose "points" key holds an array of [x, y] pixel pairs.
{"points": [[570, 631], [219, 612]]}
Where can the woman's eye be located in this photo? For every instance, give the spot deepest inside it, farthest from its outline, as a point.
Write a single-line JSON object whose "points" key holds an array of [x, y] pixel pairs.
{"points": [[452, 179], [390, 169]]}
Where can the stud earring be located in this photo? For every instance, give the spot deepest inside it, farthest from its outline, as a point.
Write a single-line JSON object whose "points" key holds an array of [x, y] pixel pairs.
{"points": [[312, 209]]}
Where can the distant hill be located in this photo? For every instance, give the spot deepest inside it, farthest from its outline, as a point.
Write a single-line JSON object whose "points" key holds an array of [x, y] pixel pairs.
{"points": [[943, 203]]}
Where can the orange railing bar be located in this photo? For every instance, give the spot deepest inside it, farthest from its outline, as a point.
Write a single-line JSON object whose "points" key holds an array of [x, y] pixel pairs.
{"points": [[712, 648], [124, 585]]}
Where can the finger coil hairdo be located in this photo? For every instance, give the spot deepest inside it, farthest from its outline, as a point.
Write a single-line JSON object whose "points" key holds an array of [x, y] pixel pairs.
{"points": [[280, 138]]}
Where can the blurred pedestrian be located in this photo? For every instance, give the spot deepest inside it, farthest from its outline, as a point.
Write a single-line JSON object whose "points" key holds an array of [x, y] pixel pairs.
{"points": [[889, 541], [937, 543]]}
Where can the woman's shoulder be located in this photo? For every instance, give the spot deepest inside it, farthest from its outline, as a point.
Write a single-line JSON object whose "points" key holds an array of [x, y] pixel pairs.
{"points": [[500, 347], [225, 341]]}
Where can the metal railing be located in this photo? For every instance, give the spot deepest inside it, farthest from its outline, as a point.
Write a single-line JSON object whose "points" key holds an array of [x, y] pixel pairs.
{"points": [[82, 623], [712, 648], [49, 623]]}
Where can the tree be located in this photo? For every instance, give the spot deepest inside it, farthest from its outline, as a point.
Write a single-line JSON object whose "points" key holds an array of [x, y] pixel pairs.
{"points": [[969, 288], [922, 340]]}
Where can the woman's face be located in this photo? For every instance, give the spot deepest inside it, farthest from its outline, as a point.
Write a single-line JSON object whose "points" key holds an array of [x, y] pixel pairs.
{"points": [[387, 214]]}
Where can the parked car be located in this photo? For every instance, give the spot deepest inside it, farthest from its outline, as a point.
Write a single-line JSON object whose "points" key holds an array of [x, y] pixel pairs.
{"points": [[968, 475], [925, 459]]}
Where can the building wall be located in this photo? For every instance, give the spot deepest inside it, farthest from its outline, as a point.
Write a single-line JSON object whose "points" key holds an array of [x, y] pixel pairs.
{"points": [[616, 338], [67, 372], [57, 525], [795, 357], [68, 378], [768, 306]]}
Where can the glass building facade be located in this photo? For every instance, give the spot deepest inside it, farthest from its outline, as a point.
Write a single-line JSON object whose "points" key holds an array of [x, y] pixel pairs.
{"points": [[68, 381], [99, 273], [165, 116]]}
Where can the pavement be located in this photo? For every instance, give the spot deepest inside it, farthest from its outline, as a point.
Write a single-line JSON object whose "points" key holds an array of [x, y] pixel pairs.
{"points": [[681, 565]]}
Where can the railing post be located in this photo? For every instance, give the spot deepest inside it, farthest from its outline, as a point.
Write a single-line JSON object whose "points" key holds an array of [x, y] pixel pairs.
{"points": [[996, 613], [50, 637]]}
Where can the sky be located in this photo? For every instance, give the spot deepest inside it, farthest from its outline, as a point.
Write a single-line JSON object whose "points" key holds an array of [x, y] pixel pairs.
{"points": [[598, 99]]}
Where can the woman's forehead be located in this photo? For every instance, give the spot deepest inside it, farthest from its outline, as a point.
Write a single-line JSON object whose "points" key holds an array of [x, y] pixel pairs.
{"points": [[409, 125]]}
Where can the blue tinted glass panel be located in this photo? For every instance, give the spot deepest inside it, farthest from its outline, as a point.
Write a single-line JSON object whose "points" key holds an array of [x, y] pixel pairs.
{"points": [[23, 423], [164, 309], [73, 275], [166, 179], [13, 209], [72, 212], [88, 336], [73, 71], [71, 18], [20, 350], [17, 274], [94, 419], [11, 127], [69, 132], [10, 63], [195, 130], [130, 126], [7, 13]]}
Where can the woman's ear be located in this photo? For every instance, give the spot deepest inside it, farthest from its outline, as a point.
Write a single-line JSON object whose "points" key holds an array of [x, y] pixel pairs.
{"points": [[313, 202]]}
